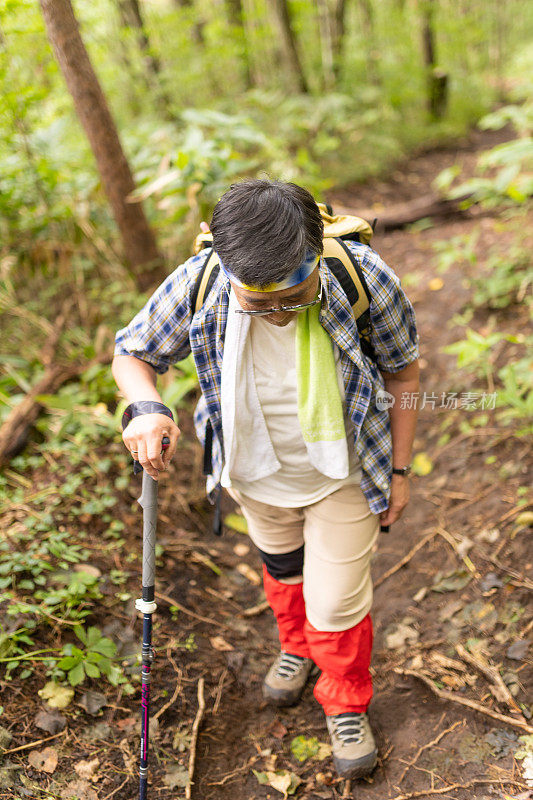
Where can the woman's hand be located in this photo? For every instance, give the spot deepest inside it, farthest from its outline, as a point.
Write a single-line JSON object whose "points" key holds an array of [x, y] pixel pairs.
{"points": [[399, 497], [143, 437]]}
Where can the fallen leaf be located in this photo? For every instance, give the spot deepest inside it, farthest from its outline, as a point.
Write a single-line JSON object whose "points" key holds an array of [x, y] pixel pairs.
{"points": [[501, 741], [398, 635], [277, 729], [419, 596], [422, 464], [56, 695], [518, 650], [490, 581], [512, 682], [236, 522], [303, 748], [43, 760], [523, 520], [92, 702], [283, 781], [8, 776], [50, 721], [452, 581], [5, 737], [435, 284], [87, 769], [89, 569], [100, 730], [182, 739], [126, 724], [219, 643], [473, 748], [248, 572], [177, 776], [78, 790]]}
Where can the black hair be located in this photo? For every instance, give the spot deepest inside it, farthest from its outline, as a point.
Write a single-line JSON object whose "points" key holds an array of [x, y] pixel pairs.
{"points": [[263, 229]]}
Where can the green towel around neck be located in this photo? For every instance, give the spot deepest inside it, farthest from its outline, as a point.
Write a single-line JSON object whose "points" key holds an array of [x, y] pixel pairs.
{"points": [[319, 400]]}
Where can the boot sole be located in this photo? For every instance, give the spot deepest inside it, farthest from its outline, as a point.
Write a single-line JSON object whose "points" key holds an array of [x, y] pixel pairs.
{"points": [[356, 769]]}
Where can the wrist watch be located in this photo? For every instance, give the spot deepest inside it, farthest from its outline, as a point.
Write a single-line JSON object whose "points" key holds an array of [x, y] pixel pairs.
{"points": [[401, 470]]}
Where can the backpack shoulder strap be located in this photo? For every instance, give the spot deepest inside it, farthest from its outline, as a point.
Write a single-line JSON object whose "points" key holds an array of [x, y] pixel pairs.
{"points": [[204, 281], [347, 269]]}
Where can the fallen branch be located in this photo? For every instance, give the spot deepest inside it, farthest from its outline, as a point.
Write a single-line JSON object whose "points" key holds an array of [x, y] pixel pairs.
{"points": [[401, 214], [194, 739], [427, 538], [254, 611], [14, 430], [172, 699], [167, 599], [436, 740], [444, 694], [499, 689], [467, 785], [33, 744]]}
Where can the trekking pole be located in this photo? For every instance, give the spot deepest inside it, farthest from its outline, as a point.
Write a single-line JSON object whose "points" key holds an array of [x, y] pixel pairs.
{"points": [[147, 606]]}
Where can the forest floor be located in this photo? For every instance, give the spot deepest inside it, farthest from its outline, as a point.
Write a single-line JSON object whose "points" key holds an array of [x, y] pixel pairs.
{"points": [[466, 584]]}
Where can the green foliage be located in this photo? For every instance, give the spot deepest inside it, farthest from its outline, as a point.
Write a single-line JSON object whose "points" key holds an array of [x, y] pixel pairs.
{"points": [[506, 280], [91, 661], [475, 350], [509, 165], [457, 249], [515, 397], [26, 560]]}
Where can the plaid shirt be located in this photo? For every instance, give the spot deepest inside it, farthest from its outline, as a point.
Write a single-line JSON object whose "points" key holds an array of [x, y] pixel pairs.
{"points": [[166, 331]]}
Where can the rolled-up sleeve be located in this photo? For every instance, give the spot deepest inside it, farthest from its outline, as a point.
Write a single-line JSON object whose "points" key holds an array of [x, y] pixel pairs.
{"points": [[159, 333], [393, 330]]}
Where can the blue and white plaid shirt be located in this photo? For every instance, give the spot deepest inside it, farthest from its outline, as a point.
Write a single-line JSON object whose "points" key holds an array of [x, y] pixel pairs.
{"points": [[166, 331]]}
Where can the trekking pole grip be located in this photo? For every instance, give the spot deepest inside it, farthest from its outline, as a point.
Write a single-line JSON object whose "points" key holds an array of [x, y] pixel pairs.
{"points": [[148, 503]]}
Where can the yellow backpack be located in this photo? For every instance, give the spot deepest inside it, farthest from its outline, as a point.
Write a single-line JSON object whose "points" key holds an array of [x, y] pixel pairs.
{"points": [[342, 262]]}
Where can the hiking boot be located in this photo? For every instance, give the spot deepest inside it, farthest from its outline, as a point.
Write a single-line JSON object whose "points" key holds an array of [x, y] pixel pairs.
{"points": [[286, 679], [354, 750]]}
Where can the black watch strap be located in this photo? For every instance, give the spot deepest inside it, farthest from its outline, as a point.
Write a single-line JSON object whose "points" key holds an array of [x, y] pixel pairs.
{"points": [[401, 470], [144, 407]]}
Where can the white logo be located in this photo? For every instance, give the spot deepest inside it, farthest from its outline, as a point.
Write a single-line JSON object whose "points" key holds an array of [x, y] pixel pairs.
{"points": [[384, 399]]}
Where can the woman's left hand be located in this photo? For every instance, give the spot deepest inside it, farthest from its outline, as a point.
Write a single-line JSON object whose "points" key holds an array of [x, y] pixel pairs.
{"points": [[399, 497]]}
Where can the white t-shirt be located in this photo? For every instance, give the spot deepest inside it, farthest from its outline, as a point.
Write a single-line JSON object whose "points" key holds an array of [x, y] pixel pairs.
{"points": [[297, 483]]}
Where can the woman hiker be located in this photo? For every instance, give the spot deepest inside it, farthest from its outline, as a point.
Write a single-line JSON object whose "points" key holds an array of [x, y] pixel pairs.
{"points": [[296, 432]]}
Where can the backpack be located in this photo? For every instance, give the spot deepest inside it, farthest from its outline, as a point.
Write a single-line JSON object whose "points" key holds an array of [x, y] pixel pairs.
{"points": [[345, 266]]}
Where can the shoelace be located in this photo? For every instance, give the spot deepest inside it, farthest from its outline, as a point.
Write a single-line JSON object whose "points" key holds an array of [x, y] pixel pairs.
{"points": [[350, 727], [289, 665]]}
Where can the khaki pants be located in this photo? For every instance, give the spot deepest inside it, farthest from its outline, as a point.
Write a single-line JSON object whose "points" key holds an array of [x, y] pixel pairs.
{"points": [[338, 534]]}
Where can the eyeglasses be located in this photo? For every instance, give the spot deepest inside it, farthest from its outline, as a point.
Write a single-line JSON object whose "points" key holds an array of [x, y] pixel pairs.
{"points": [[262, 313]]}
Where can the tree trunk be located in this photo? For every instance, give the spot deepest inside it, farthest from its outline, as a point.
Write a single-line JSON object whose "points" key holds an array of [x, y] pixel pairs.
{"points": [[369, 31], [138, 239], [131, 17], [339, 27], [198, 27], [235, 13], [289, 43], [130, 14], [436, 79], [325, 25]]}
